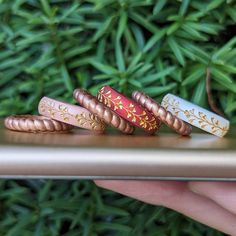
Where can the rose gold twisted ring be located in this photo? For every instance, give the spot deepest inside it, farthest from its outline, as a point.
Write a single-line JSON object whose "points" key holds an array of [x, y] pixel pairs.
{"points": [[35, 124], [161, 113], [104, 113]]}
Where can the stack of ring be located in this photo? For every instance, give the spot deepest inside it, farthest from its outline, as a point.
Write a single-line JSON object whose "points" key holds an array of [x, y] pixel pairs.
{"points": [[70, 114], [34, 124], [128, 109], [196, 115], [93, 105], [161, 113]]}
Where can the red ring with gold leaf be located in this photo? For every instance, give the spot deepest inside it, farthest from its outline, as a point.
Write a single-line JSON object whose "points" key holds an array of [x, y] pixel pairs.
{"points": [[128, 109]]}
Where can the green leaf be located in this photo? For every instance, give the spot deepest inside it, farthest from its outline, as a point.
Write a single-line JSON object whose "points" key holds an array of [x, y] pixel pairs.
{"points": [[214, 4], [9, 75], [175, 26], [119, 56], [135, 61], [232, 12], [75, 52], [69, 11], [131, 43], [188, 53], [46, 7], [196, 75], [80, 62], [106, 209], [176, 50], [122, 24], [146, 80], [224, 80], [144, 22], [199, 93], [157, 90], [208, 28], [231, 107], [71, 31], [103, 28], [184, 7], [11, 62], [200, 54], [227, 68], [101, 77], [225, 49], [104, 68], [44, 191], [219, 75], [153, 40], [190, 30], [66, 78], [135, 83], [139, 36], [143, 69], [33, 38], [101, 48], [159, 6], [113, 226]]}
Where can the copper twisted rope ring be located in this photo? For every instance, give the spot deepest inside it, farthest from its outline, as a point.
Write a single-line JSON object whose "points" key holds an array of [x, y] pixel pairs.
{"points": [[161, 113], [104, 113], [35, 124]]}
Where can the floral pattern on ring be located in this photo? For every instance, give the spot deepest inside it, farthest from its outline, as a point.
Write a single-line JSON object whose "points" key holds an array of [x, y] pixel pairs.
{"points": [[193, 116], [82, 118], [116, 103]]}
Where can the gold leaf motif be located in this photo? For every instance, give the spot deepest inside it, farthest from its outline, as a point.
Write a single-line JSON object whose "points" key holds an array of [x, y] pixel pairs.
{"points": [[51, 108], [131, 112], [90, 119], [192, 117], [63, 111]]}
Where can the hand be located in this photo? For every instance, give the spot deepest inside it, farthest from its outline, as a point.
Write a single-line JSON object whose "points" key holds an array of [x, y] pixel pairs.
{"points": [[211, 203]]}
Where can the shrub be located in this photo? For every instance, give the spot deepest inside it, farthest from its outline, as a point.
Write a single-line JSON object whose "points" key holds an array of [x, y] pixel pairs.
{"points": [[51, 47]]}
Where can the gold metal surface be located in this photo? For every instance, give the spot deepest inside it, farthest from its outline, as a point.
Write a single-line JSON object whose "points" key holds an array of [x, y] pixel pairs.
{"points": [[80, 153]]}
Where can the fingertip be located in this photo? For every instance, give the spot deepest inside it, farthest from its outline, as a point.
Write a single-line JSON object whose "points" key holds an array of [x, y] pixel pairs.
{"points": [[99, 183], [102, 183], [194, 187]]}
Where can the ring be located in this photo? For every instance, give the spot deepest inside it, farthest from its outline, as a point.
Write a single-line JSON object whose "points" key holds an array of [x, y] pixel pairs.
{"points": [[35, 124], [70, 114], [128, 109], [196, 115], [162, 114], [93, 105]]}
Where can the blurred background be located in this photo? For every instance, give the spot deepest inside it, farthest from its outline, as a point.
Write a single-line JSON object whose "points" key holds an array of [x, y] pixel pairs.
{"points": [[50, 47]]}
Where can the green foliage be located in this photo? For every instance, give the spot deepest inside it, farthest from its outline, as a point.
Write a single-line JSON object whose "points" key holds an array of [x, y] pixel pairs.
{"points": [[51, 47], [45, 208]]}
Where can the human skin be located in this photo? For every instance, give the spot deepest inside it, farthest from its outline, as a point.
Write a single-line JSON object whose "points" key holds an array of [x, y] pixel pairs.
{"points": [[211, 203]]}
